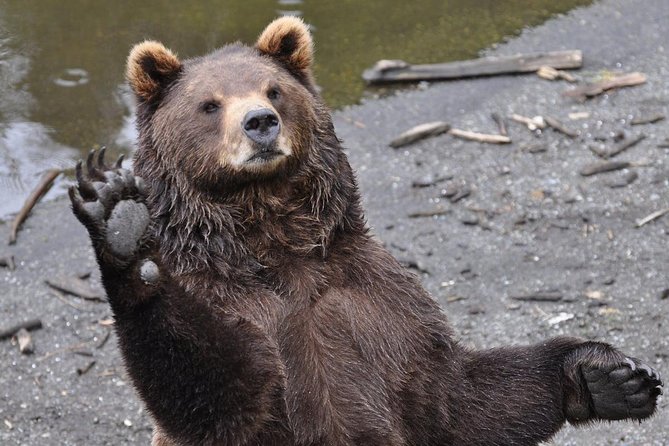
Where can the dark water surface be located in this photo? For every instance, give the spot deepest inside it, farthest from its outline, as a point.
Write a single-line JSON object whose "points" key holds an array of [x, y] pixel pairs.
{"points": [[62, 90]]}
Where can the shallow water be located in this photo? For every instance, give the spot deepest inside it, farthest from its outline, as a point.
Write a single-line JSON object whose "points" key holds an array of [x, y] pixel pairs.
{"points": [[62, 90]]}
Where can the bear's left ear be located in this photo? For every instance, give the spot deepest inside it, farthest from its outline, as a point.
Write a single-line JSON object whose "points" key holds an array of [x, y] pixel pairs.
{"points": [[151, 68], [287, 39]]}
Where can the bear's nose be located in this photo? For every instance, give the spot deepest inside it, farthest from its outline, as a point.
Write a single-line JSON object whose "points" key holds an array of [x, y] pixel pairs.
{"points": [[262, 126]]}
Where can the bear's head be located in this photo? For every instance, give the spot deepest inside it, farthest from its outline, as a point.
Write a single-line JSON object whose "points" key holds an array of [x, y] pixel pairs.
{"points": [[240, 114]]}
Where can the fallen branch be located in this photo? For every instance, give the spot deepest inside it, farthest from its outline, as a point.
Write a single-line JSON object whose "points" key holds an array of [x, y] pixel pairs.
{"points": [[420, 132], [33, 199], [651, 119], [480, 137], [597, 88], [385, 71], [551, 74], [652, 217], [540, 296], [32, 324]]}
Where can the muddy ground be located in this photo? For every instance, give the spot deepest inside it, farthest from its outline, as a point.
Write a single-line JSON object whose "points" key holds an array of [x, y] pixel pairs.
{"points": [[530, 223]]}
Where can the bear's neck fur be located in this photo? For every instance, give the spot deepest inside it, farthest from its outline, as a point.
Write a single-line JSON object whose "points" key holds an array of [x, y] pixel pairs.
{"points": [[257, 227]]}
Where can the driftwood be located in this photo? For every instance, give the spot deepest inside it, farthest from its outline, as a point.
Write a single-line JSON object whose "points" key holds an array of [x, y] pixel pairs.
{"points": [[479, 137], [419, 132], [551, 74], [33, 199], [386, 71], [597, 88], [32, 324]]}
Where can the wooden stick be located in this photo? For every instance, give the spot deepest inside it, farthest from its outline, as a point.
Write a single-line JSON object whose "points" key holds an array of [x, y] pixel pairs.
{"points": [[480, 137], [33, 199], [602, 167], [624, 146], [652, 119], [597, 88], [651, 217], [32, 324], [559, 126], [399, 71], [501, 123], [537, 122], [420, 132]]}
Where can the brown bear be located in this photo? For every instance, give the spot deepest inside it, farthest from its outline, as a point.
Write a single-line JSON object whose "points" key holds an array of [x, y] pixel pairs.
{"points": [[254, 307]]}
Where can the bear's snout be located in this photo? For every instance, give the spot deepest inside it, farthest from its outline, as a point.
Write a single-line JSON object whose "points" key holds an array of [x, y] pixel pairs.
{"points": [[262, 126]]}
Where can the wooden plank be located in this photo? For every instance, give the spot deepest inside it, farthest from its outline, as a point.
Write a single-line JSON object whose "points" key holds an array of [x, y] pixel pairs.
{"points": [[386, 71]]}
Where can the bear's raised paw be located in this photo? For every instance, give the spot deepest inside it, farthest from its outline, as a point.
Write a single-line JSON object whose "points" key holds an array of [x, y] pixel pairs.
{"points": [[628, 390], [110, 202]]}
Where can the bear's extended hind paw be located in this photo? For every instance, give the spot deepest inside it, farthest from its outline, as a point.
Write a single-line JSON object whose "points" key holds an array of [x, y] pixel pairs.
{"points": [[627, 390], [109, 201]]}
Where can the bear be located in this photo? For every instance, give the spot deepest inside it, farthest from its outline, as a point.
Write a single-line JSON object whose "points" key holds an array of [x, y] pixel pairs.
{"points": [[252, 303]]}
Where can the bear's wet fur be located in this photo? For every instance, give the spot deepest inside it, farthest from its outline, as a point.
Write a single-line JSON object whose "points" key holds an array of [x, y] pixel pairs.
{"points": [[272, 316]]}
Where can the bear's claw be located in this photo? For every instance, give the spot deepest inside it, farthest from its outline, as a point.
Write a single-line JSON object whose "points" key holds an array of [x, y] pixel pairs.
{"points": [[109, 201], [627, 390]]}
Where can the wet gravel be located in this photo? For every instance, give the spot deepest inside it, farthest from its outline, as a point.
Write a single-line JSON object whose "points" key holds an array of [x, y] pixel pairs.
{"points": [[523, 223]]}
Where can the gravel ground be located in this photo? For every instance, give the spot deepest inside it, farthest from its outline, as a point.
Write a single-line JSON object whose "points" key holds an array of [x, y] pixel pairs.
{"points": [[530, 223]]}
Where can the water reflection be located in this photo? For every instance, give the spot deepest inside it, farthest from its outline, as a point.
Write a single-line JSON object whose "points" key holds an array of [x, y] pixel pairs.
{"points": [[62, 63]]}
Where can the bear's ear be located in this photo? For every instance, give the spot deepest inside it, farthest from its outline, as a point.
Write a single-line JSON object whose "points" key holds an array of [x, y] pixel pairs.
{"points": [[287, 39], [151, 68]]}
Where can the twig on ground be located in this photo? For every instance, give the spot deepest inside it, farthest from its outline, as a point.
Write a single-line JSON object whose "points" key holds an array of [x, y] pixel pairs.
{"points": [[654, 216], [31, 201], [479, 137]]}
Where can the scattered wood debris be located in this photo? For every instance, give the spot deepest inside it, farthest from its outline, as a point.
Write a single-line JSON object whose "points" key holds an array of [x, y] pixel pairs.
{"points": [[32, 324], [430, 181], [596, 88], [419, 132], [652, 217], [8, 262], [35, 196], [386, 71], [76, 287], [26, 346], [479, 137], [650, 119], [540, 296], [557, 125], [85, 369], [624, 180], [455, 192], [604, 166], [501, 123], [575, 116], [626, 145], [427, 214], [534, 123], [551, 74]]}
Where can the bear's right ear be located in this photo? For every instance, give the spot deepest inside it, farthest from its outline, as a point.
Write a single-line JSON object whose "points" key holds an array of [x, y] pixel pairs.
{"points": [[151, 68]]}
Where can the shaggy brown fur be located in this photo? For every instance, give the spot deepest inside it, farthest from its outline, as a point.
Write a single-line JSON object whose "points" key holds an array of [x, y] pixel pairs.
{"points": [[252, 305]]}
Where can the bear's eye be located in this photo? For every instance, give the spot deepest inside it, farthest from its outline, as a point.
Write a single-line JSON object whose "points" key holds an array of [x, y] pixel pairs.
{"points": [[210, 107], [273, 94]]}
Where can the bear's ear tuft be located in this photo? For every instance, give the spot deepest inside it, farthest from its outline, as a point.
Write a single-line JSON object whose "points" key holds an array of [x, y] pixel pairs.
{"points": [[288, 40], [151, 68]]}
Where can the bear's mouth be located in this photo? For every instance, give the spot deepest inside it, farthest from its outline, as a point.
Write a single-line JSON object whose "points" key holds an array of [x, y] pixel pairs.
{"points": [[263, 156]]}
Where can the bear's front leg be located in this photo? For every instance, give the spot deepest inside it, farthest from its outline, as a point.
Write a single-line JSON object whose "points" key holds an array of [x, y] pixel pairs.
{"points": [[604, 384]]}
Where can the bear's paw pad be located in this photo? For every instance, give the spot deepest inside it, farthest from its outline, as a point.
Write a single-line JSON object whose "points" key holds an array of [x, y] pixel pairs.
{"points": [[627, 390]]}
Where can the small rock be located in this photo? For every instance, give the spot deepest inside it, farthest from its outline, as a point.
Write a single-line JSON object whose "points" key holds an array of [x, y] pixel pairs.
{"points": [[25, 341]]}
